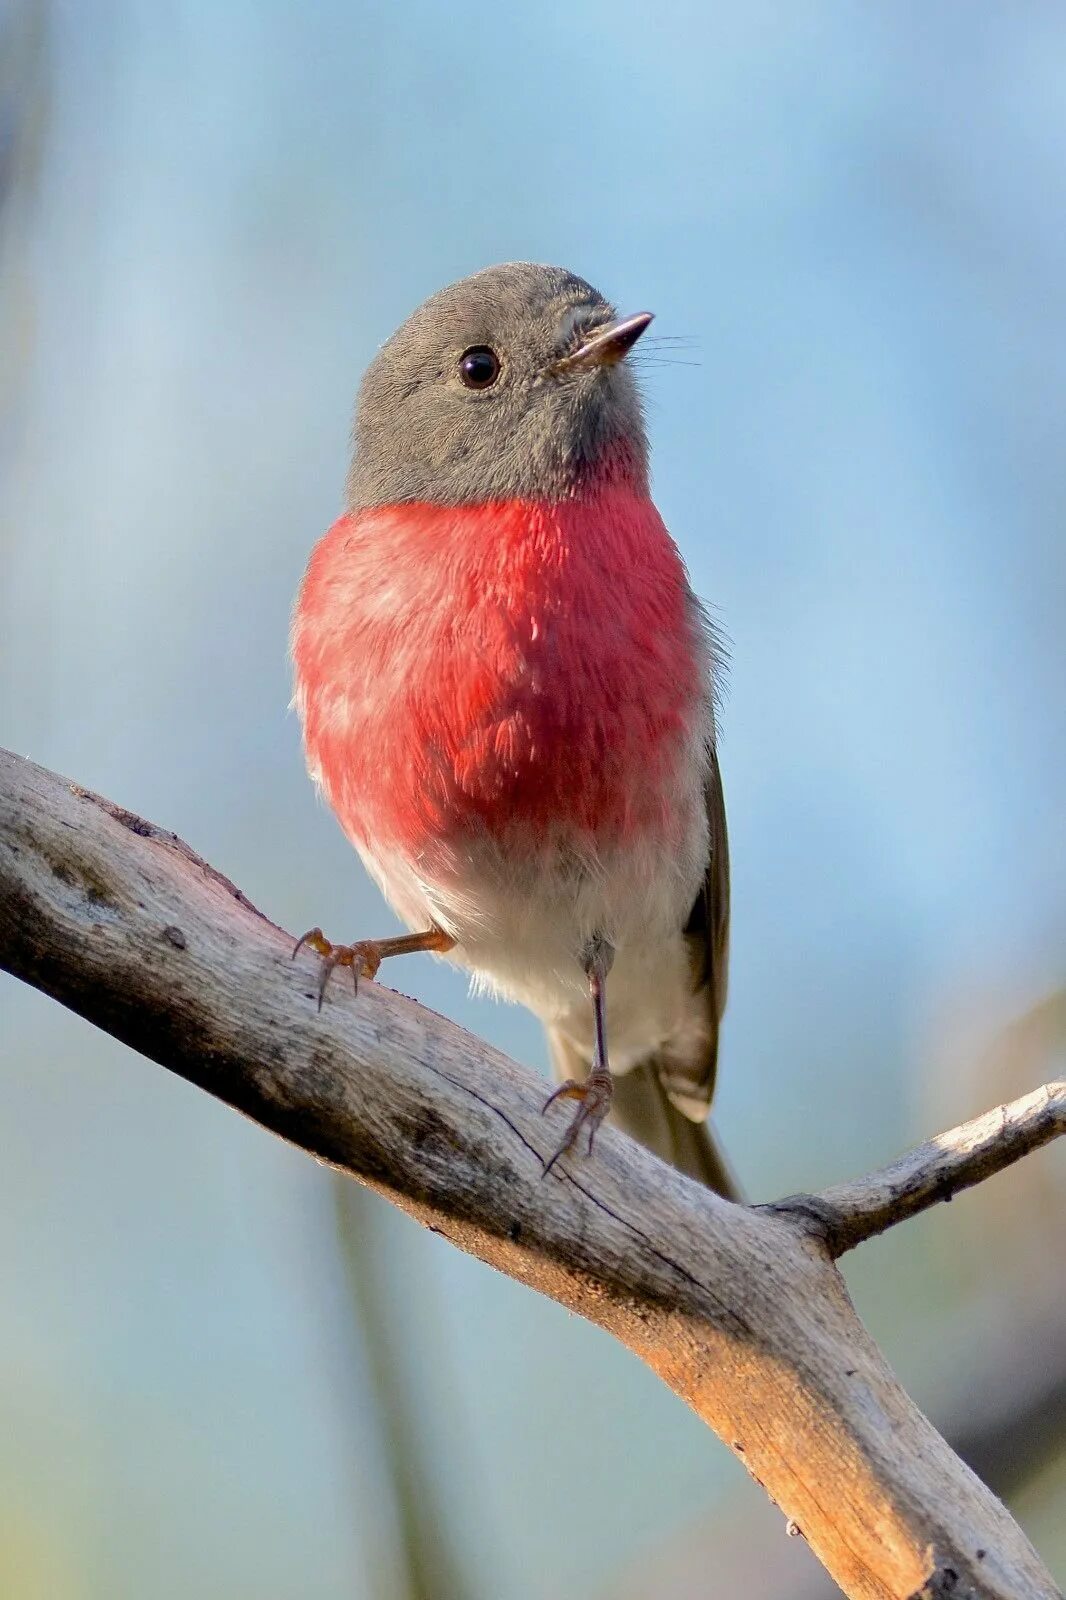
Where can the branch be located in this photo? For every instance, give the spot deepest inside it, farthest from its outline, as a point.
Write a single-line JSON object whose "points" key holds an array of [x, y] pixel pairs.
{"points": [[849, 1213], [741, 1311], [1018, 1429]]}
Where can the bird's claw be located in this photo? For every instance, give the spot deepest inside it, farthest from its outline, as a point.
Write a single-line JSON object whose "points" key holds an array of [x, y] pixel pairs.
{"points": [[595, 1095], [363, 957]]}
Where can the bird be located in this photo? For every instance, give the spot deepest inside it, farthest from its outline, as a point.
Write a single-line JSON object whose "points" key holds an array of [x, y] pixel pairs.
{"points": [[509, 695]]}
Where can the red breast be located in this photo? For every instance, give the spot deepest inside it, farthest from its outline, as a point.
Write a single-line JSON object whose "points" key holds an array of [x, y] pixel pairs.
{"points": [[526, 669]]}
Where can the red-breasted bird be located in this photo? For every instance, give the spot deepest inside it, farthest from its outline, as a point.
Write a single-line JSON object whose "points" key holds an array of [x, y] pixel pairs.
{"points": [[508, 690]]}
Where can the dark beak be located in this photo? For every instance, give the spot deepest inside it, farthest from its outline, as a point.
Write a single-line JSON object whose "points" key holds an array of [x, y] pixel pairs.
{"points": [[606, 346]]}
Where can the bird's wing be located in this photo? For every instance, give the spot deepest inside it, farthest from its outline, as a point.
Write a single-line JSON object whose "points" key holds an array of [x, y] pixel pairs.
{"points": [[689, 1079]]}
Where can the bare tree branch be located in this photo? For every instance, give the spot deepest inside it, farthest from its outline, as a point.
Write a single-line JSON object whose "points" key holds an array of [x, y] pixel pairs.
{"points": [[849, 1213], [1008, 1437], [741, 1311]]}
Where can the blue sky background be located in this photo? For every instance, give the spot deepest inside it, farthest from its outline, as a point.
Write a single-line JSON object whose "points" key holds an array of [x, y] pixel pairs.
{"points": [[857, 218]]}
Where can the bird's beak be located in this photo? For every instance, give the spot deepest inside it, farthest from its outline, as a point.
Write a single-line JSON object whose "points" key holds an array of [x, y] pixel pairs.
{"points": [[606, 346]]}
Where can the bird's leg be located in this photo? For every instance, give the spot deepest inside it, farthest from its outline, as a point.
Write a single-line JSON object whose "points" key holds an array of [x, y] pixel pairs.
{"points": [[596, 1093], [366, 955]]}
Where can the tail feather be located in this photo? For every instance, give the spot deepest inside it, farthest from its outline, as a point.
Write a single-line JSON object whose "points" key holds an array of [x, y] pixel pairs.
{"points": [[643, 1109]]}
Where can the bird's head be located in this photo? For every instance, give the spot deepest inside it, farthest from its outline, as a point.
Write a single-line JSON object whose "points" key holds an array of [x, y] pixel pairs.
{"points": [[510, 384]]}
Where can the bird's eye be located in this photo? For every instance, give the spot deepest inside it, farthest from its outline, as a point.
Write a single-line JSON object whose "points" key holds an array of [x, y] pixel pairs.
{"points": [[479, 367]]}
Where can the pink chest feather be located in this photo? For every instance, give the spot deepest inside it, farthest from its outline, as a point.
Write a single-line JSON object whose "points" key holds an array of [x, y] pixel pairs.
{"points": [[534, 672]]}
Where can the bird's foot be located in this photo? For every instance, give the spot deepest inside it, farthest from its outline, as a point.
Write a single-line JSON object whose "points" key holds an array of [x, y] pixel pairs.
{"points": [[364, 958], [595, 1095], [366, 955]]}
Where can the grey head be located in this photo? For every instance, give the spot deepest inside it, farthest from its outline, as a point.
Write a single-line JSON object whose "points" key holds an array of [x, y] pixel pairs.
{"points": [[508, 384]]}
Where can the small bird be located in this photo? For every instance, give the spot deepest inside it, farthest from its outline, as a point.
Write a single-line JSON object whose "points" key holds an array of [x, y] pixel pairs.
{"points": [[508, 690]]}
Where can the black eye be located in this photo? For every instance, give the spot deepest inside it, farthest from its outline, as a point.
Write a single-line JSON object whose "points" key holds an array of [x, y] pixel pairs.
{"points": [[479, 367]]}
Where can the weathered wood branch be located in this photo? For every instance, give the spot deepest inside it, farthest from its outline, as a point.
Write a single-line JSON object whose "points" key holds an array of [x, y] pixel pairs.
{"points": [[740, 1310], [849, 1213], [1011, 1435]]}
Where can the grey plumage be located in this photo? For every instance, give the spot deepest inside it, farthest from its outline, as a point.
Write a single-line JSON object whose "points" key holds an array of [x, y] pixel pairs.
{"points": [[420, 435]]}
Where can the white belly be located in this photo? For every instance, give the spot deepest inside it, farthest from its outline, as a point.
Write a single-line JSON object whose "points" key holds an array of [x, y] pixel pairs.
{"points": [[522, 922]]}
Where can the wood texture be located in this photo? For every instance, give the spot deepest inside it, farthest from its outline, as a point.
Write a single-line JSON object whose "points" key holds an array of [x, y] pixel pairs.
{"points": [[740, 1310], [849, 1213]]}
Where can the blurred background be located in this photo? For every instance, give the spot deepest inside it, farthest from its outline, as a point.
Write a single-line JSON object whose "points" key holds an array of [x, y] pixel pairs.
{"points": [[222, 1373]]}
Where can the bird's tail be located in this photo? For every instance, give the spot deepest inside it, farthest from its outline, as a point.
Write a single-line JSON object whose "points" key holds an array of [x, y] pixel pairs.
{"points": [[642, 1108]]}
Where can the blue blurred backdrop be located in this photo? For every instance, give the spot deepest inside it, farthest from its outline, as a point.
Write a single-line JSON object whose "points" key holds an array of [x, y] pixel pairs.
{"points": [[220, 1375]]}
